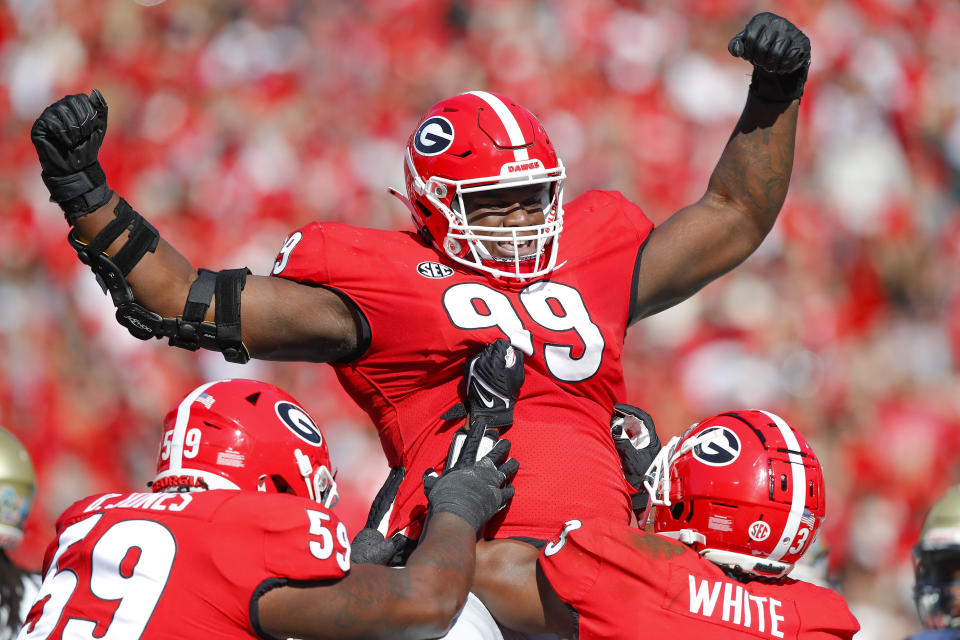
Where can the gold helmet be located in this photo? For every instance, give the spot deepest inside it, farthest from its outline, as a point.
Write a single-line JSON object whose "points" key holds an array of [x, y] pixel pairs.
{"points": [[936, 561], [18, 484]]}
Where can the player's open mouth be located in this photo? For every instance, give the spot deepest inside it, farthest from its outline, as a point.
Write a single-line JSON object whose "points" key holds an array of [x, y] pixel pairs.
{"points": [[508, 249]]}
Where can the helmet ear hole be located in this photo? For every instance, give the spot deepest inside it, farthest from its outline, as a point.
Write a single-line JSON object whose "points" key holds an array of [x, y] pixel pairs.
{"points": [[281, 485], [676, 510], [424, 211]]}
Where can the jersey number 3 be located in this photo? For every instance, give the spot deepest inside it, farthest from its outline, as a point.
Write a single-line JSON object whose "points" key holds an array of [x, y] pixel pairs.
{"points": [[551, 305]]}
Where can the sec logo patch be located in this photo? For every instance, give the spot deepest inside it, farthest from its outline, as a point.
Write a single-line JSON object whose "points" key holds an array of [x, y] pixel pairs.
{"points": [[434, 270], [759, 531]]}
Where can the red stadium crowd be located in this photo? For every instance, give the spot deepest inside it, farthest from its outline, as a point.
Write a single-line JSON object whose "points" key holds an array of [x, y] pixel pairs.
{"points": [[235, 121]]}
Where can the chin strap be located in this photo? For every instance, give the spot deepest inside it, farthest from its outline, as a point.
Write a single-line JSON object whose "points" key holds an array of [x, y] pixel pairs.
{"points": [[321, 487], [686, 536], [740, 563], [405, 200]]}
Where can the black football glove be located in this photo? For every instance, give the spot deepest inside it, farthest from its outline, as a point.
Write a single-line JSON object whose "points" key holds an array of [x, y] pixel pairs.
{"points": [[635, 438], [470, 488], [369, 546], [494, 377], [780, 54], [67, 136]]}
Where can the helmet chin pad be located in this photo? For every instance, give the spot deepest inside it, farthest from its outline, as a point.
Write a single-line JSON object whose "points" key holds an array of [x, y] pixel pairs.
{"points": [[750, 565]]}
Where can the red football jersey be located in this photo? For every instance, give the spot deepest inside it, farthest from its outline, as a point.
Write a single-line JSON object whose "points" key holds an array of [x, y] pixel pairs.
{"points": [[427, 314], [627, 583], [179, 565]]}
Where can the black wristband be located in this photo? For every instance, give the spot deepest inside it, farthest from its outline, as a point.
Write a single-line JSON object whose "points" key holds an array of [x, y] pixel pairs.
{"points": [[79, 193], [778, 87]]}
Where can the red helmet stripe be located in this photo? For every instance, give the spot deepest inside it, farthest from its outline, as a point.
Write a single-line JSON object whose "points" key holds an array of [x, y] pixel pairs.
{"points": [[180, 426], [798, 483], [509, 122]]}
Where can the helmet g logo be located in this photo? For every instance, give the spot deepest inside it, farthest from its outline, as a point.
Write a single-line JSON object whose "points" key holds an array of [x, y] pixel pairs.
{"points": [[433, 137], [717, 447], [297, 420]]}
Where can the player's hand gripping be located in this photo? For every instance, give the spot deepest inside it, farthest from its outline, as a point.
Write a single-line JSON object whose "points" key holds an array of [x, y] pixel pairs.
{"points": [[470, 488], [67, 137], [635, 438], [780, 54], [494, 377], [369, 546]]}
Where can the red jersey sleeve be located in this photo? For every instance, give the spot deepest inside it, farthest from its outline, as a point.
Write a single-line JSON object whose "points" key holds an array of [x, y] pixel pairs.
{"points": [[627, 210], [574, 573], [302, 257], [825, 613], [297, 538]]}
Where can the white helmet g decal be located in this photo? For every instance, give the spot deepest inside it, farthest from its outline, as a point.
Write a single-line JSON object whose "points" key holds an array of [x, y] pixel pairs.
{"points": [[297, 420], [434, 136], [717, 447]]}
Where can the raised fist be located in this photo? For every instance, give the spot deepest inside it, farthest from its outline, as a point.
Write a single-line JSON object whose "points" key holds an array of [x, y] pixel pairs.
{"points": [[780, 54], [67, 137]]}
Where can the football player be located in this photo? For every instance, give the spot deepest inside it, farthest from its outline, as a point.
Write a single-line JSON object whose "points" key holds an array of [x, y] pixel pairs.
{"points": [[496, 252], [738, 499], [238, 539], [936, 561], [18, 485]]}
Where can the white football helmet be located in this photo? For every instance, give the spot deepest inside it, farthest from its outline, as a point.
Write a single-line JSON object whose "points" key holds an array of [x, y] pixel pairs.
{"points": [[18, 486]]}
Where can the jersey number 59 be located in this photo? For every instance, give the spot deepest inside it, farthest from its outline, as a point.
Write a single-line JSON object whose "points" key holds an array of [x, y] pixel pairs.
{"points": [[136, 586]]}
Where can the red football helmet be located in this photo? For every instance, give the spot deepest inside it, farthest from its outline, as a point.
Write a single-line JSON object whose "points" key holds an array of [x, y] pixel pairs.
{"points": [[742, 488], [480, 142], [244, 434]]}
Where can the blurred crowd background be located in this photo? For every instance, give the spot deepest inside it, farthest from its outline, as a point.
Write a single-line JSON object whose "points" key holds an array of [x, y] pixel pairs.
{"points": [[233, 122]]}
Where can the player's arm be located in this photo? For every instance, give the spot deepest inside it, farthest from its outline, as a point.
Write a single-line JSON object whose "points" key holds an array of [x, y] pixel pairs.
{"points": [[421, 599], [373, 601], [157, 291], [512, 587], [749, 184]]}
